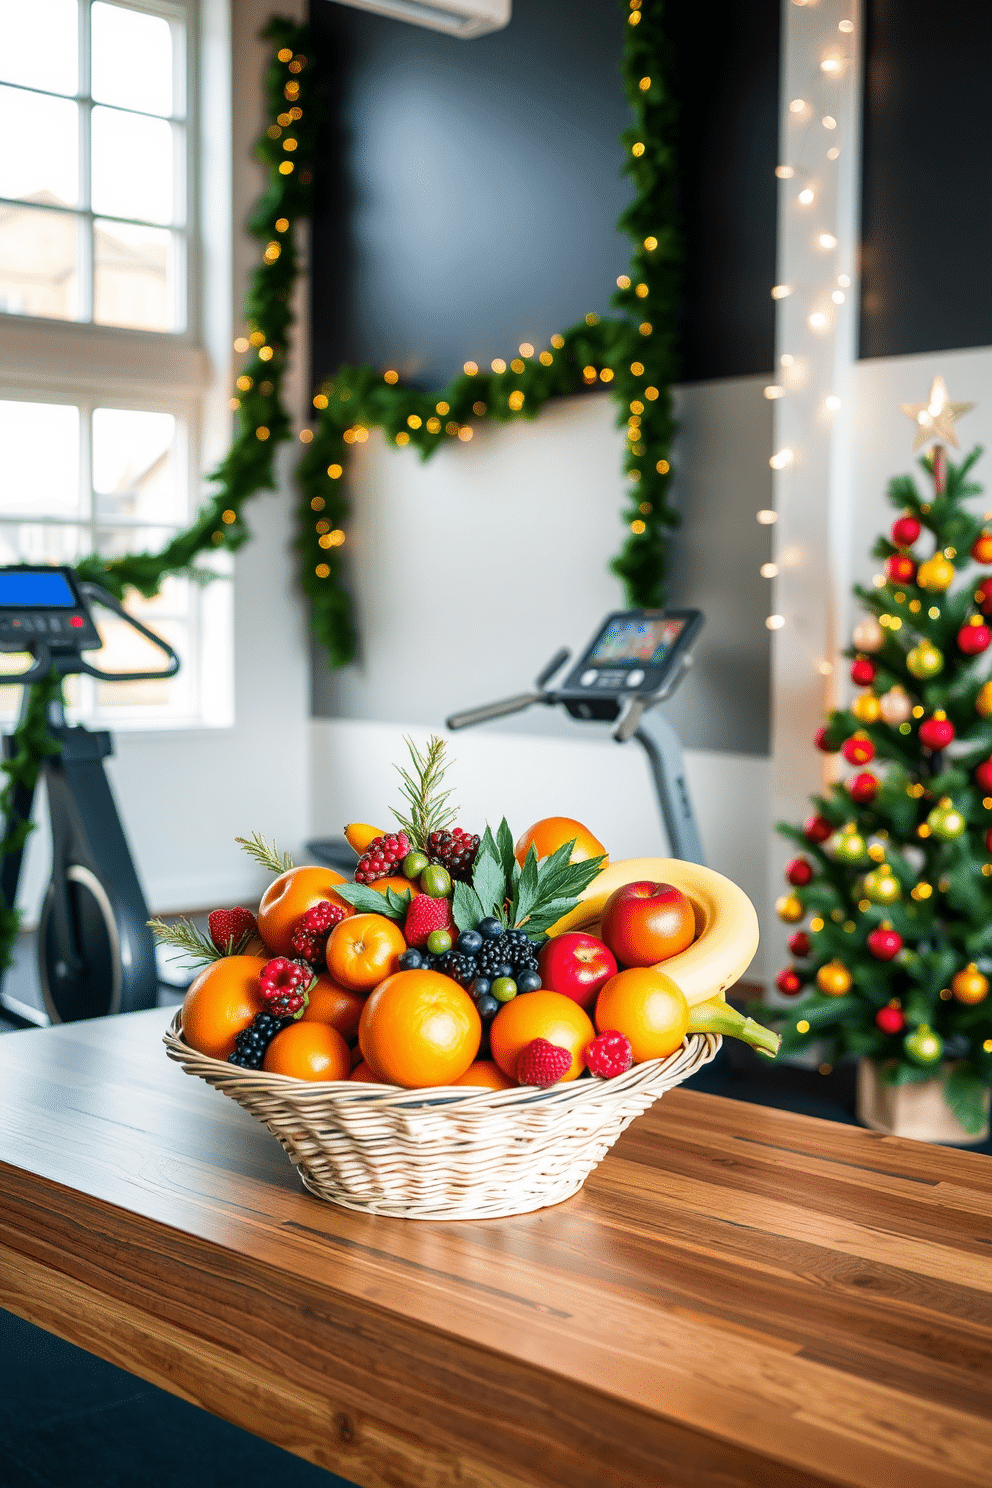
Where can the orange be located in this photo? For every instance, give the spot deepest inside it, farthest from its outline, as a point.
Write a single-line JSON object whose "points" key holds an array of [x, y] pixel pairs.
{"points": [[485, 1072], [221, 1003], [288, 897], [338, 1006], [363, 1074], [419, 1028], [310, 1051], [547, 1015], [363, 950], [552, 832], [648, 1007], [397, 883]]}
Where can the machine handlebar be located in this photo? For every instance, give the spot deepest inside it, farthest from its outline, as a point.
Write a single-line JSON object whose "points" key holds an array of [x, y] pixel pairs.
{"points": [[500, 709], [107, 600]]}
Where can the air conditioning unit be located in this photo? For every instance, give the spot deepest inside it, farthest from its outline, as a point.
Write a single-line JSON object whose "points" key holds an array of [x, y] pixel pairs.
{"points": [[464, 18]]}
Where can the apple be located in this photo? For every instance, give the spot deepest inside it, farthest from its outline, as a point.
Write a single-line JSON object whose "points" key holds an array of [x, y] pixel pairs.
{"points": [[644, 923], [576, 965]]}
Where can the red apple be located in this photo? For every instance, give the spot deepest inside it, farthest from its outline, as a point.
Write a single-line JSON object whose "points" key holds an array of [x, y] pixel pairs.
{"points": [[644, 923], [576, 965]]}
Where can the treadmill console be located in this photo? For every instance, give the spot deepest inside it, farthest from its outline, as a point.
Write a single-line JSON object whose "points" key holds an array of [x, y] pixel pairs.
{"points": [[634, 653], [44, 604]]}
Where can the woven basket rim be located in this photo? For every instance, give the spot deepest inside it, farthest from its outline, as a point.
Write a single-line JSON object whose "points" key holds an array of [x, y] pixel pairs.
{"points": [[305, 1092]]}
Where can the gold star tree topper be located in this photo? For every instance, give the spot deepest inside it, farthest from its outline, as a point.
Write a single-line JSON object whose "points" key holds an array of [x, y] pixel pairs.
{"points": [[935, 419]]}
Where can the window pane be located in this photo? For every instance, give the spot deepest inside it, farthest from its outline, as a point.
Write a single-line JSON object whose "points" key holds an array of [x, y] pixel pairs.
{"points": [[39, 157], [132, 166], [38, 262], [32, 542], [134, 465], [114, 542], [39, 44], [125, 649], [132, 59], [134, 276], [39, 462]]}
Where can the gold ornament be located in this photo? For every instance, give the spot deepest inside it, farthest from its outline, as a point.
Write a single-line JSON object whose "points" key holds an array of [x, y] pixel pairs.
{"points": [[935, 574], [983, 702], [969, 986], [789, 909], [868, 635], [934, 419], [895, 706], [866, 708], [834, 979], [848, 846], [881, 885], [925, 660]]}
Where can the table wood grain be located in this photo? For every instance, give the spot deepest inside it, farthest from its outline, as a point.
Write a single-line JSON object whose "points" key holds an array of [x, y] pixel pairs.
{"points": [[738, 1296]]}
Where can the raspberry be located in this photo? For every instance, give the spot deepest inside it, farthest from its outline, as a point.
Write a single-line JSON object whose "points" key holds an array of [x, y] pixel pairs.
{"points": [[308, 947], [426, 915], [230, 928], [454, 850], [382, 857], [543, 1063], [283, 986], [609, 1055], [321, 919]]}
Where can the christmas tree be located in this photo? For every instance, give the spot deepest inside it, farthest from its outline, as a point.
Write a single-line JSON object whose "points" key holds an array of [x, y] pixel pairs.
{"points": [[896, 862]]}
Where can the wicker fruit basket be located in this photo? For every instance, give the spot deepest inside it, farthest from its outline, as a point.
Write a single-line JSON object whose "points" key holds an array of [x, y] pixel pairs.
{"points": [[454, 1152]]}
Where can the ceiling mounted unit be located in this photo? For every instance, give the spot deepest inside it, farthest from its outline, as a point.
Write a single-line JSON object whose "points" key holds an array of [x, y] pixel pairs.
{"points": [[464, 18]]}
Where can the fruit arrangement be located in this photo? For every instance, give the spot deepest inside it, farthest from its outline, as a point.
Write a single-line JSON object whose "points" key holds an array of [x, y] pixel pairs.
{"points": [[454, 959]]}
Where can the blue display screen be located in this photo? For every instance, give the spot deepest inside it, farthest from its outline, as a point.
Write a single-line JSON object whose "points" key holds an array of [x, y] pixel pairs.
{"points": [[24, 589]]}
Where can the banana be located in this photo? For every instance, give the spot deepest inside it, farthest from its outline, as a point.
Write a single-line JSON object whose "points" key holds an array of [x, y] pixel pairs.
{"points": [[717, 1016], [360, 834], [726, 924]]}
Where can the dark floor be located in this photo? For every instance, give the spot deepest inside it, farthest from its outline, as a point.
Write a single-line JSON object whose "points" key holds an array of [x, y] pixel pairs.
{"points": [[69, 1420]]}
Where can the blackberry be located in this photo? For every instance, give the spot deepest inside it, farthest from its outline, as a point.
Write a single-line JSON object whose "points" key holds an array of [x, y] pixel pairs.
{"points": [[250, 1045], [454, 850], [457, 966], [495, 953]]}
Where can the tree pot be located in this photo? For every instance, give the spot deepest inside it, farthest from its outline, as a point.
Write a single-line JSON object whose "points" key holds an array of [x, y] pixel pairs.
{"points": [[917, 1111]]}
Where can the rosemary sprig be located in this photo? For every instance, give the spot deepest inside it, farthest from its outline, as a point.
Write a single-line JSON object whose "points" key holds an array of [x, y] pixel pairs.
{"points": [[185, 936], [422, 790], [265, 853]]}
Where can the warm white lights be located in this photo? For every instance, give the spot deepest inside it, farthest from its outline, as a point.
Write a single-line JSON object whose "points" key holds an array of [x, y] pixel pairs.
{"points": [[832, 66], [787, 360], [768, 570], [781, 291], [825, 668], [827, 240], [798, 106], [829, 122], [846, 26], [844, 280], [766, 517], [806, 197], [832, 402], [817, 321], [775, 622], [838, 297], [782, 459], [774, 391], [833, 153], [785, 172]]}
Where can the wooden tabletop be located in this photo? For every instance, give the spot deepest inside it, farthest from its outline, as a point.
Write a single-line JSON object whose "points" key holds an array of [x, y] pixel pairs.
{"points": [[737, 1296]]}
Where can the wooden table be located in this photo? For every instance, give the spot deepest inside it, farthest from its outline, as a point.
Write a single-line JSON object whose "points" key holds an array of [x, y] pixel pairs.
{"points": [[738, 1296]]}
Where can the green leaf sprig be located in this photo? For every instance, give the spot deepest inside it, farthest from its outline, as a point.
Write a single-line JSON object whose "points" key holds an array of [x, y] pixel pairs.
{"points": [[530, 898]]}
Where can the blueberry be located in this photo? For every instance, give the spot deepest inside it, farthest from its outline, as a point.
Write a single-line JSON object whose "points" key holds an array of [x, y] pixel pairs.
{"points": [[469, 942], [487, 1007], [504, 989], [528, 981], [481, 987], [411, 960], [489, 928]]}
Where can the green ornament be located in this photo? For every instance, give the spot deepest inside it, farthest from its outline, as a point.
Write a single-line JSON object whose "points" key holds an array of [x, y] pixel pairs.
{"points": [[881, 885], [925, 660], [923, 1046], [907, 958], [945, 820], [849, 846]]}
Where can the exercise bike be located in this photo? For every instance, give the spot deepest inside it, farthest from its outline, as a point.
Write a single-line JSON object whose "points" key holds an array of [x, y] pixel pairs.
{"points": [[96, 955], [635, 660]]}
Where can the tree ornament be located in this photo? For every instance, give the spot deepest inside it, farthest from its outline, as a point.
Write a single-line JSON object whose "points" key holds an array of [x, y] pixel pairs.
{"points": [[900, 569], [891, 1019], [896, 706], [800, 944], [884, 943], [970, 986], [881, 885], [905, 531], [935, 419], [789, 908], [981, 548], [822, 741], [983, 702], [974, 638], [799, 872], [938, 731], [983, 776], [945, 820], [789, 981], [834, 979], [936, 574], [868, 635], [983, 596], [863, 788], [925, 660], [849, 846], [867, 708], [923, 1046], [863, 671], [818, 829], [858, 749]]}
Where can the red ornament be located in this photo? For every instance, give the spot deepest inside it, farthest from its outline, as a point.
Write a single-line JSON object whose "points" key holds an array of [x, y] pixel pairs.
{"points": [[936, 733], [858, 750], [900, 569], [799, 872], [973, 639], [983, 596], [822, 741], [818, 829], [983, 776], [884, 943], [863, 672], [905, 531], [890, 1019], [800, 944], [863, 788], [981, 548], [789, 981]]}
